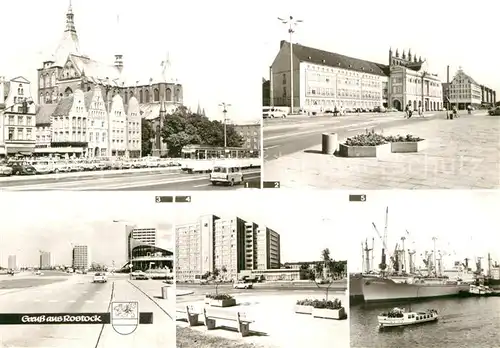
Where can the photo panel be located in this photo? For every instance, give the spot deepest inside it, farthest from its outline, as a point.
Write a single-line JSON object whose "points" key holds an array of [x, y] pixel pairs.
{"points": [[86, 270], [421, 265], [136, 113], [263, 268], [395, 112]]}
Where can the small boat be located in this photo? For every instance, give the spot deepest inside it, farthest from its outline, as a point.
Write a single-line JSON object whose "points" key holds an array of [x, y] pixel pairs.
{"points": [[480, 290], [399, 317]]}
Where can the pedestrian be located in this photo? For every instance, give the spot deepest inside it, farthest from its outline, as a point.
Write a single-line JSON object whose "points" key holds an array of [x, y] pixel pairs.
{"points": [[407, 111], [469, 109]]}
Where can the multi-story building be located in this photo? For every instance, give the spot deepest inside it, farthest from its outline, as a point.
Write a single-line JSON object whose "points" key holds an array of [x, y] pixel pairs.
{"points": [[464, 91], [324, 80], [230, 245], [17, 117], [410, 83], [46, 260], [12, 262], [251, 134], [123, 101], [143, 251], [488, 96], [82, 258]]}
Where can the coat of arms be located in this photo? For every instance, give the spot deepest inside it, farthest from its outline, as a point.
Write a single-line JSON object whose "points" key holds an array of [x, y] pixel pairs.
{"points": [[124, 317]]}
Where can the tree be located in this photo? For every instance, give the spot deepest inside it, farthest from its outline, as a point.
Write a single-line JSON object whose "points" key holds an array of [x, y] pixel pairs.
{"points": [[325, 255], [147, 134], [177, 133], [318, 268], [217, 277]]}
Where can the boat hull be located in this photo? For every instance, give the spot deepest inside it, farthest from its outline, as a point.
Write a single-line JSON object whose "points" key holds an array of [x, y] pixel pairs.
{"points": [[395, 322], [355, 289], [386, 290]]}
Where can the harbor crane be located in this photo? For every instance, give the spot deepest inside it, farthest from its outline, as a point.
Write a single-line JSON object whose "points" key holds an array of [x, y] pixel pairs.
{"points": [[383, 265]]}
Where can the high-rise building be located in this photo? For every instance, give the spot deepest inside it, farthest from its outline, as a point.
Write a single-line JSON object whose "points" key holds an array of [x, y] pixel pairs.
{"points": [[81, 257], [230, 245], [12, 262], [143, 251], [46, 260]]}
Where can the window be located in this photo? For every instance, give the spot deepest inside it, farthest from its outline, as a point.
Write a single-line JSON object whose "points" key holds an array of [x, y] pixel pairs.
{"points": [[11, 133], [20, 134], [146, 95], [28, 134]]}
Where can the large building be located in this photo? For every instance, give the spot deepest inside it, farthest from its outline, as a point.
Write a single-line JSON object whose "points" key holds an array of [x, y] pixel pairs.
{"points": [[99, 105], [324, 81], [82, 257], [12, 262], [46, 260], [464, 91], [143, 251], [17, 117], [230, 244], [251, 134]]}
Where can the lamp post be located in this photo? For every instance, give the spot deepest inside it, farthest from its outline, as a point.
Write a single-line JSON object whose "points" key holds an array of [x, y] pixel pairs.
{"points": [[224, 112], [292, 22]]}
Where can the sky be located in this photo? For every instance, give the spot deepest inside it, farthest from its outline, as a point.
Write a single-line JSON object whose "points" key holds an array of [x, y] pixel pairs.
{"points": [[53, 221], [207, 43], [465, 224], [305, 220], [443, 32]]}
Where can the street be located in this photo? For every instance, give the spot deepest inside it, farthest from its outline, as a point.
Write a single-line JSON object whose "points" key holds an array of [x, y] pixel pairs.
{"points": [[168, 180], [77, 294], [286, 136]]}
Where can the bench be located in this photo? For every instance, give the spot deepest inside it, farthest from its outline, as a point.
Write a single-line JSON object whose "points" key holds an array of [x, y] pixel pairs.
{"points": [[187, 313], [212, 314]]}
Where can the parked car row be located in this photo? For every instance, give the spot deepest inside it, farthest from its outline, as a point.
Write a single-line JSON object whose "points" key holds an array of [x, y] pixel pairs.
{"points": [[50, 166]]}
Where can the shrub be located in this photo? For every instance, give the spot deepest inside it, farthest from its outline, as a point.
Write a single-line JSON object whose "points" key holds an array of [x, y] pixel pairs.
{"points": [[370, 138], [324, 304], [219, 296], [306, 302], [400, 138]]}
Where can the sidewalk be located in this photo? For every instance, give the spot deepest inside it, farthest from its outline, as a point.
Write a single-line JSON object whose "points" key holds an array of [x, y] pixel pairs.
{"points": [[463, 153], [152, 289]]}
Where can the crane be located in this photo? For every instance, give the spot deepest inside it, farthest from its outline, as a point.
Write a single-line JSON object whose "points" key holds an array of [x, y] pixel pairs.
{"points": [[383, 265]]}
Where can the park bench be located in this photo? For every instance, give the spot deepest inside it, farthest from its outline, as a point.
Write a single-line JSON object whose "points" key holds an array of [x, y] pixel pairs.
{"points": [[212, 314], [187, 313]]}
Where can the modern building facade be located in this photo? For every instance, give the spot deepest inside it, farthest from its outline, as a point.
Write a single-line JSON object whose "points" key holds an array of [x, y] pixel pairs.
{"points": [[17, 117], [411, 83], [115, 101], [143, 251], [325, 81], [464, 91], [46, 260], [231, 245], [82, 258], [488, 96], [251, 134], [12, 262]]}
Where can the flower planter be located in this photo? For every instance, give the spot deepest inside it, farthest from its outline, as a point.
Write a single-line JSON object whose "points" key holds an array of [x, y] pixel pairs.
{"points": [[408, 146], [364, 151], [303, 309], [329, 313], [223, 303]]}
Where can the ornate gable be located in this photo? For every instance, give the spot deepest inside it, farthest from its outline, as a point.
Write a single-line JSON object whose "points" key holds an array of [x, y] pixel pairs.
{"points": [[70, 70]]}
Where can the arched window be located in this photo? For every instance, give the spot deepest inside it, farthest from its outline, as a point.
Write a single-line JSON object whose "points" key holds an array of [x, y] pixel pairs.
{"points": [[67, 92], [131, 94], [88, 89], [156, 95], [169, 94], [20, 90], [141, 100], [47, 97], [146, 94], [177, 94], [41, 82], [126, 98]]}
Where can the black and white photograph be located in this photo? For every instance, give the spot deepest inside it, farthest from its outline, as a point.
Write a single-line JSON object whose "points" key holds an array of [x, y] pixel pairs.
{"points": [[424, 270], [113, 95], [371, 96], [86, 270], [260, 269]]}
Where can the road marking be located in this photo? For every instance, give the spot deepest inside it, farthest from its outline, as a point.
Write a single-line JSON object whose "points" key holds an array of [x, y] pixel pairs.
{"points": [[71, 301], [89, 301], [36, 300], [202, 185], [271, 147], [53, 301]]}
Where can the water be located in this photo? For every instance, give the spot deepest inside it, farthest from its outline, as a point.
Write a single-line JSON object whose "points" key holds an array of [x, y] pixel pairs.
{"points": [[466, 322]]}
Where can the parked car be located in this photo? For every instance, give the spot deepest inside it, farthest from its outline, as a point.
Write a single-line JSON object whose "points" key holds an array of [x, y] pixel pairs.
{"points": [[242, 285], [494, 111], [139, 275], [270, 112], [5, 170], [100, 278], [21, 168]]}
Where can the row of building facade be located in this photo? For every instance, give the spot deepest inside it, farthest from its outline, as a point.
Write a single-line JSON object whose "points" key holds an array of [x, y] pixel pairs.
{"points": [[326, 81]]}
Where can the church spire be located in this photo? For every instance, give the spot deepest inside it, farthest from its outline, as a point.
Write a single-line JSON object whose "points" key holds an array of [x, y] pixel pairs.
{"points": [[69, 43], [198, 111], [70, 20]]}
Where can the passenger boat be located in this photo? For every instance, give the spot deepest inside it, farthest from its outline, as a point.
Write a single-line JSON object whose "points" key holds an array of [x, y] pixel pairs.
{"points": [[480, 290], [399, 317]]}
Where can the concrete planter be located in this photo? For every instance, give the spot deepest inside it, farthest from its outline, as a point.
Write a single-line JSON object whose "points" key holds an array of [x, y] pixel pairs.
{"points": [[410, 146], [223, 303], [336, 314], [364, 151], [303, 309]]}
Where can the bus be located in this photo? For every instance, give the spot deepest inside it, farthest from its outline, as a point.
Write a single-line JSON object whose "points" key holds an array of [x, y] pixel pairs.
{"points": [[198, 152]]}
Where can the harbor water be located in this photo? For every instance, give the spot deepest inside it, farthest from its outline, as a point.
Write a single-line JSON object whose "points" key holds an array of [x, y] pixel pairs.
{"points": [[463, 322]]}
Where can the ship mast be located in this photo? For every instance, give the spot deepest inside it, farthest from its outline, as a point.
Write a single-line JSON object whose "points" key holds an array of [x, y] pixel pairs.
{"points": [[404, 253], [366, 252], [385, 228], [434, 254], [373, 254], [489, 265]]}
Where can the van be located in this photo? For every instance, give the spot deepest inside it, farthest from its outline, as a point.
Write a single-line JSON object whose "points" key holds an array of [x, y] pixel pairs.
{"points": [[226, 175]]}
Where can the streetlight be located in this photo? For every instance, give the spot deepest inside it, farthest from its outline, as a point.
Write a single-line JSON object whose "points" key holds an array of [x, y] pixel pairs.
{"points": [[291, 24], [224, 111]]}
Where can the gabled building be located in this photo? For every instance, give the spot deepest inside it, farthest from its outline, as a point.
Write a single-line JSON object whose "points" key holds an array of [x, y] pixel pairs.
{"points": [[464, 91]]}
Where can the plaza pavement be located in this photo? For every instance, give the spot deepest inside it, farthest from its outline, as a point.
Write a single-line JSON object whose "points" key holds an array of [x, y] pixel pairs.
{"points": [[463, 153], [276, 324]]}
